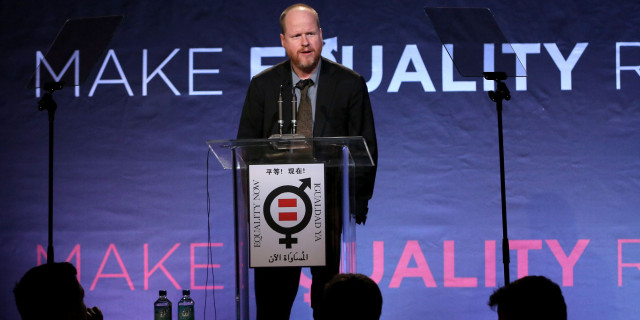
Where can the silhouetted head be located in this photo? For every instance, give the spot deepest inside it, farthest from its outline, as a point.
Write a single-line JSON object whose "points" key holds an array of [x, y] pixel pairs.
{"points": [[50, 291], [352, 296], [529, 298]]}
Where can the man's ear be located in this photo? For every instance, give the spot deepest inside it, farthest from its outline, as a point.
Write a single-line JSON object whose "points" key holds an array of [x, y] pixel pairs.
{"points": [[282, 39]]}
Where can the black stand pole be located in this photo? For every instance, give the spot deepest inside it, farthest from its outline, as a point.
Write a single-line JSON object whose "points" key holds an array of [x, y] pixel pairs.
{"points": [[47, 103], [501, 93]]}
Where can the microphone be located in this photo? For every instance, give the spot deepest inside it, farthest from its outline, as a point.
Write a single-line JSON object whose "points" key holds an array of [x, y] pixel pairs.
{"points": [[294, 110], [279, 117], [280, 121]]}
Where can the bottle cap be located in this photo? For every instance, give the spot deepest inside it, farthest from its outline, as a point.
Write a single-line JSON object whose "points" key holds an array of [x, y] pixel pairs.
{"points": [[162, 292], [186, 292]]}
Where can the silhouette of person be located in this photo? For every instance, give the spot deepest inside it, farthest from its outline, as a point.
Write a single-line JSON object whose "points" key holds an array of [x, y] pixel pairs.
{"points": [[529, 298], [352, 296], [52, 291]]}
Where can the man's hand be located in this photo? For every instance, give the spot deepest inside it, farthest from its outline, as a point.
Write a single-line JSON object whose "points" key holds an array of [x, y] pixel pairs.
{"points": [[94, 314], [361, 211]]}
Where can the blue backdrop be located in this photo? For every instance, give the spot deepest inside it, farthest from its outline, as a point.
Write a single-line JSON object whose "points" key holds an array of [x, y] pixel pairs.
{"points": [[131, 159]]}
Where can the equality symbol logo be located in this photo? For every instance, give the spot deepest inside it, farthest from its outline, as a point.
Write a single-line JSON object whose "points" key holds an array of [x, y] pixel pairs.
{"points": [[288, 210]]}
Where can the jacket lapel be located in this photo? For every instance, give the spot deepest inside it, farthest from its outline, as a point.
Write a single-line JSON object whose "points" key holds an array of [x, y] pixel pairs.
{"points": [[326, 88]]}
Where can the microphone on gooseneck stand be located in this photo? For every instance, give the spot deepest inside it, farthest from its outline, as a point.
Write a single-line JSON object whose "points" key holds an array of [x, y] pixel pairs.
{"points": [[294, 110], [280, 121], [279, 117]]}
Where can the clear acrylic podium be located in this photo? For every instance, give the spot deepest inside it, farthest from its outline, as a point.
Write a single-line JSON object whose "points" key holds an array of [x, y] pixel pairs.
{"points": [[339, 157]]}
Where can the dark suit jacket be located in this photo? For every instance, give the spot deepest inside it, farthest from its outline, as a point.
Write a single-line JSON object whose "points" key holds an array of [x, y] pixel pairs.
{"points": [[343, 109]]}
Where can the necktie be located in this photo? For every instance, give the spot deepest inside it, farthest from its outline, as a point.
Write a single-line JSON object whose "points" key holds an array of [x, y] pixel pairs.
{"points": [[305, 117]]}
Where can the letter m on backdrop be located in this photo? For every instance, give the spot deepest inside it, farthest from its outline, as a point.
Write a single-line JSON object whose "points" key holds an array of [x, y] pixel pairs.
{"points": [[41, 61], [42, 257]]}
